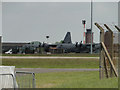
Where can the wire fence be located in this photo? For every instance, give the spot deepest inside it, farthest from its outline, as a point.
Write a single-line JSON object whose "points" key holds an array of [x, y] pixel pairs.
{"points": [[109, 50], [112, 49], [25, 79]]}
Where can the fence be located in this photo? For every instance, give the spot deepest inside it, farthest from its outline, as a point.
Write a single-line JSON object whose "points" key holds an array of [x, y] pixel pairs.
{"points": [[108, 63], [25, 79]]}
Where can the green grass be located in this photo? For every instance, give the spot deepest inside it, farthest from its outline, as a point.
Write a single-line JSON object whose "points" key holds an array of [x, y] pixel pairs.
{"points": [[62, 55], [74, 80], [51, 63]]}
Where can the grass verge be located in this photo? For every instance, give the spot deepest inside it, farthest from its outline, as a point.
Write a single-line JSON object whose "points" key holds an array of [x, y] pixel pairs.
{"points": [[74, 80], [51, 63]]}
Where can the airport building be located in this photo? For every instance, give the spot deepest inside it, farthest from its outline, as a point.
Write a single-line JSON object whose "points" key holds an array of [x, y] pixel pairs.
{"points": [[88, 36], [27, 48], [10, 45]]}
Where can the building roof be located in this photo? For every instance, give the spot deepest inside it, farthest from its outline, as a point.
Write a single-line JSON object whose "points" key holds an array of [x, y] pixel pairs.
{"points": [[12, 44]]}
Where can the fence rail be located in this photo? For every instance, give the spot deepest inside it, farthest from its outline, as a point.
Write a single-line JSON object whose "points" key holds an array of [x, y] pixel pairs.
{"points": [[25, 79]]}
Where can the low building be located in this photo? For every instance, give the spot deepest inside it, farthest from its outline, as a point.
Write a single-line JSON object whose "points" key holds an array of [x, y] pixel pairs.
{"points": [[10, 45]]}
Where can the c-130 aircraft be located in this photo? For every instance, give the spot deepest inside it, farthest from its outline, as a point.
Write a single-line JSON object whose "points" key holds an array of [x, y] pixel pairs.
{"points": [[68, 46]]}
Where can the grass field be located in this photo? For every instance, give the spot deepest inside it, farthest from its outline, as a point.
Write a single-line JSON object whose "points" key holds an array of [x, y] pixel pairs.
{"points": [[74, 80], [51, 63], [86, 79], [62, 55]]}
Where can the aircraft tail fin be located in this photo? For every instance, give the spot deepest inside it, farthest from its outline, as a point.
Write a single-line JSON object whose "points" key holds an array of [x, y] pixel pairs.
{"points": [[67, 38]]}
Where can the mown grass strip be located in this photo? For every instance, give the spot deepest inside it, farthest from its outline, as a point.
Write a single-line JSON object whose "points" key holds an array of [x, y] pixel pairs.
{"points": [[51, 63], [74, 80]]}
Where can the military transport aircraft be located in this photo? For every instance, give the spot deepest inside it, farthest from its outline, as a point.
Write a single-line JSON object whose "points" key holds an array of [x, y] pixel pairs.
{"points": [[32, 47], [68, 46]]}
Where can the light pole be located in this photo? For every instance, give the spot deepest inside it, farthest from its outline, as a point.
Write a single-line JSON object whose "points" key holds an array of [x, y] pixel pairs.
{"points": [[91, 25], [47, 38]]}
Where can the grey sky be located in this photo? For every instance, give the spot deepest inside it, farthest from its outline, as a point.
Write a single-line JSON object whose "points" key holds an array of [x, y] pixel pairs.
{"points": [[119, 21], [24, 22]]}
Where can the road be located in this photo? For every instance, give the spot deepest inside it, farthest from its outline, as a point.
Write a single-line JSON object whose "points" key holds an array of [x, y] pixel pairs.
{"points": [[47, 57], [45, 70]]}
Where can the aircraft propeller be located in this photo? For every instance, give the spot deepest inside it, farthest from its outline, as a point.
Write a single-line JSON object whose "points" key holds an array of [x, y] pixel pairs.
{"points": [[78, 45]]}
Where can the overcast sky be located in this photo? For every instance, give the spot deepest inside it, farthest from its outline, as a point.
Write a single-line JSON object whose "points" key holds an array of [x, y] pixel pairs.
{"points": [[25, 22]]}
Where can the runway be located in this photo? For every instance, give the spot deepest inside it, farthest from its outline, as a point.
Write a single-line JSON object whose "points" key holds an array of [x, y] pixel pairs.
{"points": [[46, 70], [47, 57]]}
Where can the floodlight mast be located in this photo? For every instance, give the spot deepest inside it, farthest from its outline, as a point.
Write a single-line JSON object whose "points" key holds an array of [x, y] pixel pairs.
{"points": [[47, 38], [91, 25]]}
